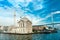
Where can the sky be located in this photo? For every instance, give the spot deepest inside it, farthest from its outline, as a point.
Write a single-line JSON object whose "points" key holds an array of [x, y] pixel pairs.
{"points": [[38, 11]]}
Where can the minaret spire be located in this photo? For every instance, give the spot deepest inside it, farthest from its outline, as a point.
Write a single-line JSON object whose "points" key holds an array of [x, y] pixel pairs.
{"points": [[14, 18]]}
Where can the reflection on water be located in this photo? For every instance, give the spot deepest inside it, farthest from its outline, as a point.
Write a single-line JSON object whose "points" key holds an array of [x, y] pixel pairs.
{"points": [[52, 36], [15, 37]]}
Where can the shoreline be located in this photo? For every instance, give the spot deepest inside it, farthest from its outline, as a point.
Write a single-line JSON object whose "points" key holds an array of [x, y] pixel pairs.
{"points": [[43, 32]]}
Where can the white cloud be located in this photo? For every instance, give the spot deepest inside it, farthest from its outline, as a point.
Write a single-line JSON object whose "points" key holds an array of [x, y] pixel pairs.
{"points": [[56, 12], [25, 3], [10, 11], [36, 20], [38, 7], [50, 15], [17, 2], [37, 4], [6, 21], [6, 12], [9, 20], [6, 16]]}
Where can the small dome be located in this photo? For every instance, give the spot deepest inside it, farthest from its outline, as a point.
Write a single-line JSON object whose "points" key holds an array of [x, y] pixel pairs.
{"points": [[24, 19]]}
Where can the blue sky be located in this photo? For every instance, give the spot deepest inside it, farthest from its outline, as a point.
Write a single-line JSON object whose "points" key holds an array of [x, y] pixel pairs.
{"points": [[38, 11]]}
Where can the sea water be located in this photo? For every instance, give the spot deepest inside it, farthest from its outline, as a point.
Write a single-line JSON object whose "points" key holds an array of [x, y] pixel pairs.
{"points": [[52, 36]]}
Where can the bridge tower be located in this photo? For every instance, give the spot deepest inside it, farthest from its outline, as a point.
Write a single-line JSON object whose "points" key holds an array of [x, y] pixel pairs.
{"points": [[52, 17]]}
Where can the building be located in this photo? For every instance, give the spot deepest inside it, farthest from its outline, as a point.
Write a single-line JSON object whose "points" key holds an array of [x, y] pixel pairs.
{"points": [[1, 28], [13, 29], [39, 27], [25, 25]]}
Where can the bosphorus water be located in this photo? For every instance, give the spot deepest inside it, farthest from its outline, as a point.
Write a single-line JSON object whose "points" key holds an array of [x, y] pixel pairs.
{"points": [[52, 36]]}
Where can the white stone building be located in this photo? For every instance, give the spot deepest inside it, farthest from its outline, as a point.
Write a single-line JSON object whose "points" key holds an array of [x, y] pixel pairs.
{"points": [[25, 25], [1, 27]]}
